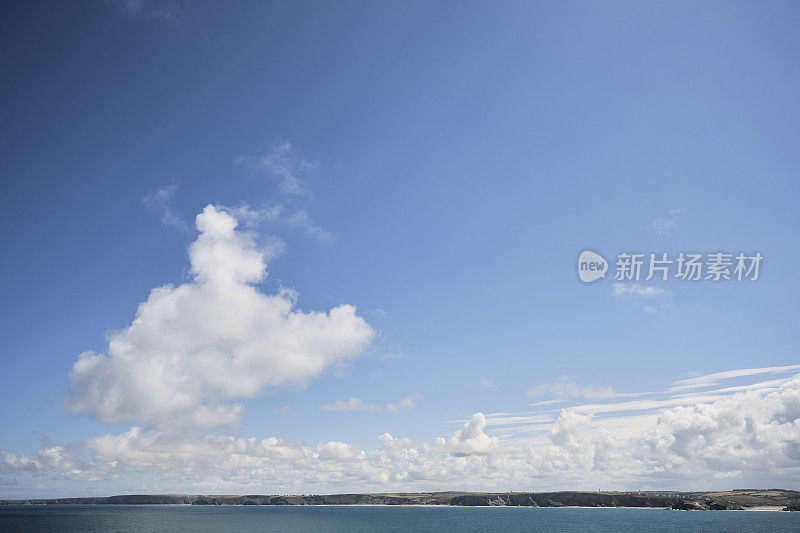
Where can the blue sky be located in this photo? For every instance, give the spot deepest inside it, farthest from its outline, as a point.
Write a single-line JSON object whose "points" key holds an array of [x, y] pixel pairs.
{"points": [[439, 166]]}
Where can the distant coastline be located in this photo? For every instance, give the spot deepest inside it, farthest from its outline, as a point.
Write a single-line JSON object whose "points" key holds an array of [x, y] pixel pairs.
{"points": [[742, 499]]}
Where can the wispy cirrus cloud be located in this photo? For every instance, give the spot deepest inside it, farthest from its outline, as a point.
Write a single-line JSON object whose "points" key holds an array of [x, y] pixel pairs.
{"points": [[564, 389], [353, 404], [636, 290], [712, 380], [301, 220], [154, 9], [627, 416], [642, 296], [486, 384], [281, 162], [159, 201], [664, 225], [281, 215]]}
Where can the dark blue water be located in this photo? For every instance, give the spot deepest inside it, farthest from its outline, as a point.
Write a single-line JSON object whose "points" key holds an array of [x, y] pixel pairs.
{"points": [[158, 518]]}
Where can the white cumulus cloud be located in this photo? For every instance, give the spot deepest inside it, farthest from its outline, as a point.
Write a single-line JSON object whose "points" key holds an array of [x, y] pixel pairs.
{"points": [[406, 404], [193, 348]]}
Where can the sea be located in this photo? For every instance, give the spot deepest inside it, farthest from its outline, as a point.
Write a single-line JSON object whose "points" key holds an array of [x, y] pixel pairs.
{"points": [[358, 519]]}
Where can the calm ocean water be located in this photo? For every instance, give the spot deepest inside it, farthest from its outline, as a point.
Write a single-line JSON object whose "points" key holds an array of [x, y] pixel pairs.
{"points": [[157, 518]]}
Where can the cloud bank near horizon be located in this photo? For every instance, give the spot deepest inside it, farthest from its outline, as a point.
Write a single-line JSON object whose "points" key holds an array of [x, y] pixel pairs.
{"points": [[746, 437]]}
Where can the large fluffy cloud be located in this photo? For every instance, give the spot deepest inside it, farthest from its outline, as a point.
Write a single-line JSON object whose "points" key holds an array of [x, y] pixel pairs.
{"points": [[193, 348], [750, 438]]}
